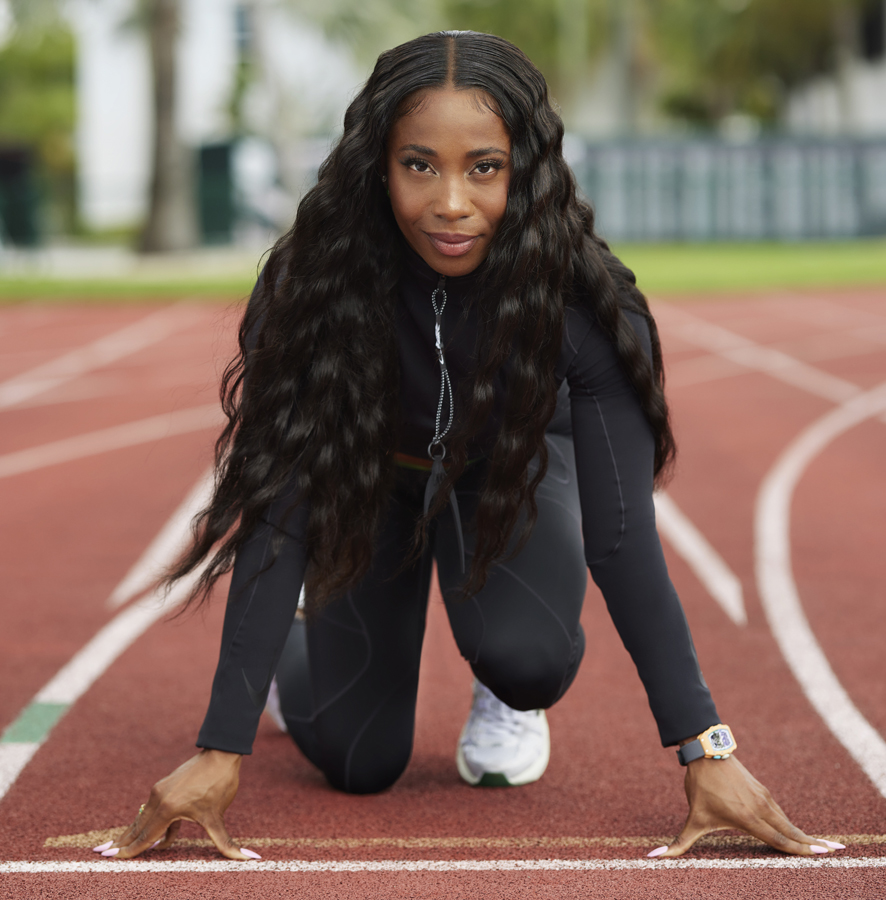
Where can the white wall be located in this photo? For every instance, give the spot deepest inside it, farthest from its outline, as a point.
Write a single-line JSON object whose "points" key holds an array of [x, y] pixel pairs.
{"points": [[856, 106], [301, 89], [113, 125], [114, 117]]}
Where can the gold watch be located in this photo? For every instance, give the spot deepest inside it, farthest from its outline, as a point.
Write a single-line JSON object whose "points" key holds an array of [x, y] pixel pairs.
{"points": [[717, 742]]}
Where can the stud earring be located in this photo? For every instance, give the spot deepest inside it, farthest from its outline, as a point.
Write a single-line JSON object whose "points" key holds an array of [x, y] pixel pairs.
{"points": [[384, 178]]}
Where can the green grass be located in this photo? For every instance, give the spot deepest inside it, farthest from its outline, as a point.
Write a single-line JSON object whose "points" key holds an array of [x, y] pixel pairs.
{"points": [[701, 269], [20, 289], [662, 270]]}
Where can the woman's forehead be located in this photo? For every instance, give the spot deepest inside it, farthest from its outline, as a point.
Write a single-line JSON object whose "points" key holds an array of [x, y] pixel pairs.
{"points": [[444, 112]]}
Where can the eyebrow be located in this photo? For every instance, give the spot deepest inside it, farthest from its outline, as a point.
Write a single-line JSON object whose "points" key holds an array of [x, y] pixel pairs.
{"points": [[427, 151]]}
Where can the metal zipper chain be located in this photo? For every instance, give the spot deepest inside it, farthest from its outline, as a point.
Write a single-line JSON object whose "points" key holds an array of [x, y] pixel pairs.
{"points": [[436, 450]]}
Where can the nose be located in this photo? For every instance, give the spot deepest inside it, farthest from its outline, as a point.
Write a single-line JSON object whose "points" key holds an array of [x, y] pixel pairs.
{"points": [[453, 199]]}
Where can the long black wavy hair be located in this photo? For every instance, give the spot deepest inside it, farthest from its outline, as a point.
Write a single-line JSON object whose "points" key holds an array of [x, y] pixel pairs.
{"points": [[312, 397]]}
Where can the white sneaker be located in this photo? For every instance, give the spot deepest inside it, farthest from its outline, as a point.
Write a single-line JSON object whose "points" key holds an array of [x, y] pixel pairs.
{"points": [[500, 746], [272, 706]]}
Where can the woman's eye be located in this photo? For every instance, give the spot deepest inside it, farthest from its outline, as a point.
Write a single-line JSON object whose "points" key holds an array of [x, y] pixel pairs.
{"points": [[487, 166], [419, 165]]}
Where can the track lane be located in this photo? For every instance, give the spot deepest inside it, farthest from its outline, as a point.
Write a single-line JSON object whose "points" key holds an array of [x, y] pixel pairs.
{"points": [[430, 800]]}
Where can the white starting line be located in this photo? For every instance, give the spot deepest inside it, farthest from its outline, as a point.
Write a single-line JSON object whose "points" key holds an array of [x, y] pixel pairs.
{"points": [[397, 866]]}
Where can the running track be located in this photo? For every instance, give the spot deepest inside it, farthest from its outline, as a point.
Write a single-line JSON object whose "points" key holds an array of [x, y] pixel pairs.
{"points": [[773, 526]]}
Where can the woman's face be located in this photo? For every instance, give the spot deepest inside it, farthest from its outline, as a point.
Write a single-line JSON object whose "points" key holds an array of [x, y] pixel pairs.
{"points": [[448, 168]]}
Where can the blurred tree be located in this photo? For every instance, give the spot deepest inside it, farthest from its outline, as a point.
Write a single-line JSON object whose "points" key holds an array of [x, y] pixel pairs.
{"points": [[562, 37], [37, 105], [369, 27], [744, 55], [171, 224], [172, 216]]}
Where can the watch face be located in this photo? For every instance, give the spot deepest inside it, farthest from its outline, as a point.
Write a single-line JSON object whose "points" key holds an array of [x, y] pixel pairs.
{"points": [[721, 740]]}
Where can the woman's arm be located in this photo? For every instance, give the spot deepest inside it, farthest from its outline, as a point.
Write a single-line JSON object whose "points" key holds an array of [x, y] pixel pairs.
{"points": [[261, 605], [614, 449]]}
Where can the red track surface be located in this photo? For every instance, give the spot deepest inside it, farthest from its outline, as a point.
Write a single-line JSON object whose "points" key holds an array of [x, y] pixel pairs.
{"points": [[70, 532]]}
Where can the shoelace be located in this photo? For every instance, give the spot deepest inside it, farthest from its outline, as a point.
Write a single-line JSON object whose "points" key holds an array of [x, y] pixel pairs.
{"points": [[499, 720]]}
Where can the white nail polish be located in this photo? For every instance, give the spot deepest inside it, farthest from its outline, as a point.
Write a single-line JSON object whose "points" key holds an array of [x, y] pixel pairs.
{"points": [[250, 853], [112, 852], [102, 847], [816, 849], [657, 852], [832, 844]]}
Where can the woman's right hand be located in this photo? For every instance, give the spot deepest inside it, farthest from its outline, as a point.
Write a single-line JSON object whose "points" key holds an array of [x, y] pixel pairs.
{"points": [[200, 791]]}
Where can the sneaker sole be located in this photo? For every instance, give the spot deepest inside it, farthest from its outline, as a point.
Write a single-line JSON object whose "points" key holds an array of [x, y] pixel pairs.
{"points": [[499, 779]]}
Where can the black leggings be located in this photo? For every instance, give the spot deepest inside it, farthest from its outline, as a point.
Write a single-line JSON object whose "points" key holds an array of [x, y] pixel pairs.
{"points": [[360, 657]]}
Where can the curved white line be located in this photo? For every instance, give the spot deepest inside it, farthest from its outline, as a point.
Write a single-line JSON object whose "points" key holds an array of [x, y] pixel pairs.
{"points": [[142, 431], [778, 591], [89, 663], [166, 546], [709, 567], [117, 345]]}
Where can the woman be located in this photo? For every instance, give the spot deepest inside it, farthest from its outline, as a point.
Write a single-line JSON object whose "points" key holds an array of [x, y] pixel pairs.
{"points": [[397, 398]]}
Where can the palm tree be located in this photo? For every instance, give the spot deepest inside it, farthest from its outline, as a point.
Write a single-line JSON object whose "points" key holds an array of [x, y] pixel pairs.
{"points": [[172, 221]]}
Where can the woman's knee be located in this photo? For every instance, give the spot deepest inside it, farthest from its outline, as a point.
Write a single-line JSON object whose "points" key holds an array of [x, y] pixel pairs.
{"points": [[527, 675], [367, 751], [366, 776]]}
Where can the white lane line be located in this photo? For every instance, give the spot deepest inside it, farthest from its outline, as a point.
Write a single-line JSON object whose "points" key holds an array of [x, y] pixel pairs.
{"points": [[166, 546], [117, 437], [136, 336], [75, 678], [13, 759], [750, 355], [383, 866], [79, 674], [781, 600], [24, 736], [709, 567]]}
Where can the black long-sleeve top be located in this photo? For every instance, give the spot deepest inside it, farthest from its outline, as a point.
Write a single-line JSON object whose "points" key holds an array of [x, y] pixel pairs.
{"points": [[614, 450]]}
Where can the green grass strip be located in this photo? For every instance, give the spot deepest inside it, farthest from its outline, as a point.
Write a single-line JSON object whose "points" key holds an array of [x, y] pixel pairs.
{"points": [[34, 723], [23, 289], [692, 269]]}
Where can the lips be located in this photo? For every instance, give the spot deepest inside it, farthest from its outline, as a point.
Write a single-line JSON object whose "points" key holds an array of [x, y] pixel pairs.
{"points": [[452, 244]]}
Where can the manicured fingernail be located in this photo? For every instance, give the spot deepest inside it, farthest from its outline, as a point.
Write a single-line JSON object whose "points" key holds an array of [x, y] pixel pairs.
{"points": [[154, 844], [101, 847], [112, 852], [657, 852], [816, 849], [832, 844], [250, 853]]}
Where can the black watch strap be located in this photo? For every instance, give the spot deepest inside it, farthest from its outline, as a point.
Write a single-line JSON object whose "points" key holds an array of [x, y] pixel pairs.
{"points": [[688, 752]]}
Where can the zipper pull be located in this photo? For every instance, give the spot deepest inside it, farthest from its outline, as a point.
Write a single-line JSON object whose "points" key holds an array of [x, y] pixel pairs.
{"points": [[438, 319]]}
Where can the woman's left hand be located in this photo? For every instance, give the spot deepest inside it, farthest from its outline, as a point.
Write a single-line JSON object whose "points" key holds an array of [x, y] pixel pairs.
{"points": [[723, 794]]}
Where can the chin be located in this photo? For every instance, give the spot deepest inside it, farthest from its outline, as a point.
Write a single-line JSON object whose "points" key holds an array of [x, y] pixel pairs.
{"points": [[452, 268]]}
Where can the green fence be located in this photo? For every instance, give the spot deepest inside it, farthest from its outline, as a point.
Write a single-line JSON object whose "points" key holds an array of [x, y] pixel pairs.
{"points": [[19, 198], [714, 191], [215, 193]]}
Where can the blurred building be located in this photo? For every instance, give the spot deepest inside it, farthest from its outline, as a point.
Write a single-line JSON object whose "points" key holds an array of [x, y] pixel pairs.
{"points": [[852, 102], [252, 78]]}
